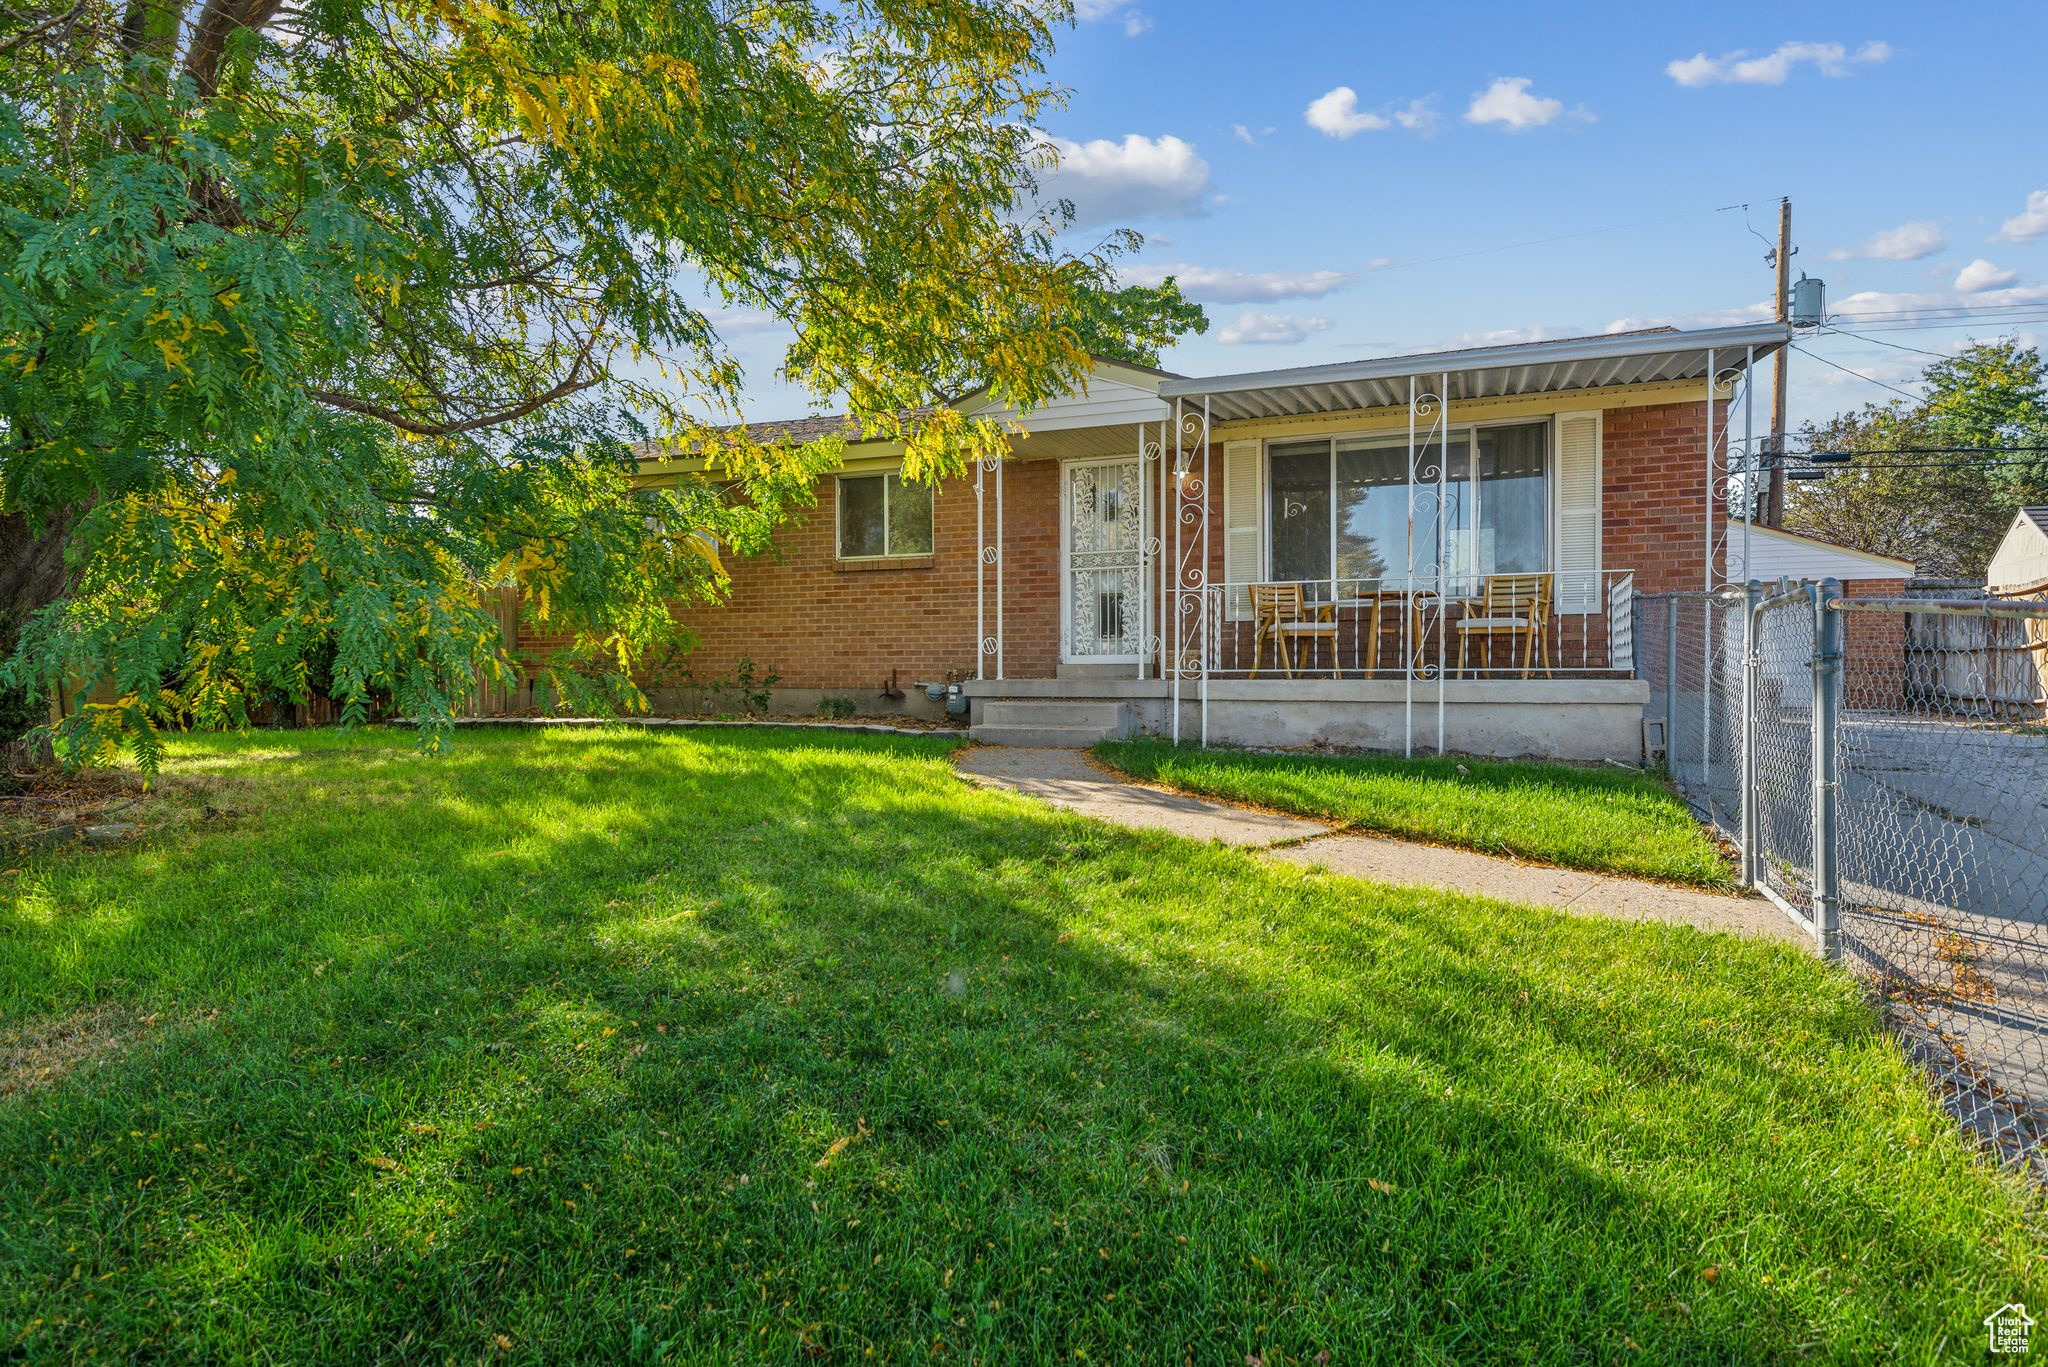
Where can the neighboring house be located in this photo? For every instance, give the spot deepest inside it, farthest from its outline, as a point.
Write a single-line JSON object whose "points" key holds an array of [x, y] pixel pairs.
{"points": [[1774, 553], [1875, 646], [2019, 567], [1136, 561]]}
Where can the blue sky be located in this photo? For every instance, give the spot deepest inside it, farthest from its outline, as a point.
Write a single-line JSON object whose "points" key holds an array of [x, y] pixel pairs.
{"points": [[1337, 180]]}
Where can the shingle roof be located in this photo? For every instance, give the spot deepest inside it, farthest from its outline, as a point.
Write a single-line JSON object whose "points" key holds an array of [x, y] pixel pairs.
{"points": [[780, 432], [797, 431]]}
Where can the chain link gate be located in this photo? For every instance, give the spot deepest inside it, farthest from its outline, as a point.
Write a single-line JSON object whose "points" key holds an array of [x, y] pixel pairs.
{"points": [[1883, 767], [1780, 709]]}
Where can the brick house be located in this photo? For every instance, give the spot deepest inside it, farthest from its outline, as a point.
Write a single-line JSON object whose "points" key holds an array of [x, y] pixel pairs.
{"points": [[1152, 543]]}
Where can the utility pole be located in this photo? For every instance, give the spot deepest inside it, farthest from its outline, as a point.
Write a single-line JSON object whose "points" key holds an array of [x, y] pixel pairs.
{"points": [[1774, 496]]}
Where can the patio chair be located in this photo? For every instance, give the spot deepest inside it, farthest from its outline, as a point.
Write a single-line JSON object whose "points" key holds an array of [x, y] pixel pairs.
{"points": [[1516, 606], [1280, 615]]}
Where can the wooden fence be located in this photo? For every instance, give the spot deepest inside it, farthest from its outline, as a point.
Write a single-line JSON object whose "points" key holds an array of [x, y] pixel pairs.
{"points": [[493, 699], [1985, 665]]}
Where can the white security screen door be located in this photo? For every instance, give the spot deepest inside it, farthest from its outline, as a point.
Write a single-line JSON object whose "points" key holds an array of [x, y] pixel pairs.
{"points": [[1104, 575]]}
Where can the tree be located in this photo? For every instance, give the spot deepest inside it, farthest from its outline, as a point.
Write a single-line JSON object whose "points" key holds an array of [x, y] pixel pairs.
{"points": [[1137, 322], [318, 321], [1905, 496]]}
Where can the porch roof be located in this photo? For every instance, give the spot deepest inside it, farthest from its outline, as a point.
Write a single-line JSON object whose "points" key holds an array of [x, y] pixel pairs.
{"points": [[1656, 354]]}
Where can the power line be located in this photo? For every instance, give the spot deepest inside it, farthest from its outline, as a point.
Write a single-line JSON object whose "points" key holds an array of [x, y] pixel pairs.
{"points": [[1846, 466], [1937, 320], [1895, 346], [1971, 327], [1952, 310], [1919, 451], [1858, 374]]}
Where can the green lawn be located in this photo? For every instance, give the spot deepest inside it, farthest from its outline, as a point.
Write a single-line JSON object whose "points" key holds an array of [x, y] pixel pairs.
{"points": [[612, 1046], [1607, 820]]}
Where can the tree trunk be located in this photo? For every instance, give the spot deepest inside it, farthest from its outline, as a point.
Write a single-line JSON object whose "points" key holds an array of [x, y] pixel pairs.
{"points": [[32, 575]]}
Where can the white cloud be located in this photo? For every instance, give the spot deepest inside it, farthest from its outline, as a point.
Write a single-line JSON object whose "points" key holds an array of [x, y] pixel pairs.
{"points": [[1907, 242], [1417, 116], [1249, 136], [1270, 329], [1928, 305], [2030, 223], [1508, 103], [1981, 275], [1222, 286], [1774, 68], [1114, 182], [1134, 20], [1338, 115], [1540, 332], [1705, 318], [747, 322]]}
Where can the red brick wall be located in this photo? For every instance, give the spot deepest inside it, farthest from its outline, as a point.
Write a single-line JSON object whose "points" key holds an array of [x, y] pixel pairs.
{"points": [[820, 623], [1653, 490], [1874, 648]]}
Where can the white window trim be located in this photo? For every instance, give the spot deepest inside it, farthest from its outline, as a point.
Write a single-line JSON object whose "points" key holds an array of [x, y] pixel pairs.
{"points": [[1399, 439], [839, 519]]}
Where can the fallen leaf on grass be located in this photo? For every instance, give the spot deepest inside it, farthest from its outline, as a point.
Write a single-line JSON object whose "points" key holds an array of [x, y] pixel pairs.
{"points": [[840, 1145]]}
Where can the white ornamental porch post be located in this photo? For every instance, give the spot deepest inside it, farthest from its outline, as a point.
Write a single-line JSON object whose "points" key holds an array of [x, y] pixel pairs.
{"points": [[1443, 543], [980, 569], [999, 565], [1173, 605]]}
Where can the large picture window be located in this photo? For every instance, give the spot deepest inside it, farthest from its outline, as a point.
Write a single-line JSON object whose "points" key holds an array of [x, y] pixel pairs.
{"points": [[883, 515], [1340, 507]]}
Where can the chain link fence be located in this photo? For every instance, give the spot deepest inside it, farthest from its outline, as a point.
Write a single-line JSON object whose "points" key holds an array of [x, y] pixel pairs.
{"points": [[1882, 765]]}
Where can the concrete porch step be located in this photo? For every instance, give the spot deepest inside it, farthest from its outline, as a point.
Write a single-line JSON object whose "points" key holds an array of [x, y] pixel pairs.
{"points": [[1052, 712], [1062, 723], [1039, 737]]}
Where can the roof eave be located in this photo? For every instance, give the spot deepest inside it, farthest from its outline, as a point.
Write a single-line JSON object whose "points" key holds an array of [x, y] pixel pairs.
{"points": [[1765, 337]]}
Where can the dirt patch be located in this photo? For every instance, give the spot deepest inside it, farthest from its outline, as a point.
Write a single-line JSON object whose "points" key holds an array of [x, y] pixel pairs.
{"points": [[43, 806], [42, 1053]]}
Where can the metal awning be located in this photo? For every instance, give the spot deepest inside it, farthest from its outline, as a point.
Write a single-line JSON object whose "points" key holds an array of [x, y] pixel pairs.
{"points": [[1486, 372]]}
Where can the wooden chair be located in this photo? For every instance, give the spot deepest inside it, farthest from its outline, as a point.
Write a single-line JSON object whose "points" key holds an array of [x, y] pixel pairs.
{"points": [[1368, 605], [1280, 615], [1516, 606]]}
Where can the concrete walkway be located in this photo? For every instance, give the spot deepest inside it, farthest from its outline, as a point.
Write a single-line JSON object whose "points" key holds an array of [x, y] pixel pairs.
{"points": [[1068, 778]]}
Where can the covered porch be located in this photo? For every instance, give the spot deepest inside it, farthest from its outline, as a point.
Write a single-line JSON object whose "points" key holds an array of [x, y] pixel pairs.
{"points": [[1401, 554]]}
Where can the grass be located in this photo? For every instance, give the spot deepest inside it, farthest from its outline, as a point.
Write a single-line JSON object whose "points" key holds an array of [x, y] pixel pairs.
{"points": [[613, 1046], [1606, 820]]}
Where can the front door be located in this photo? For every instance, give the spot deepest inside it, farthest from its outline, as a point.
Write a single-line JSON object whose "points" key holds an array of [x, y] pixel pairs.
{"points": [[1104, 574]]}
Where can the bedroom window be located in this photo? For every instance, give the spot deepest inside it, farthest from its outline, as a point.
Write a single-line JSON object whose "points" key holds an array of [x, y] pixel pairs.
{"points": [[883, 515]]}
